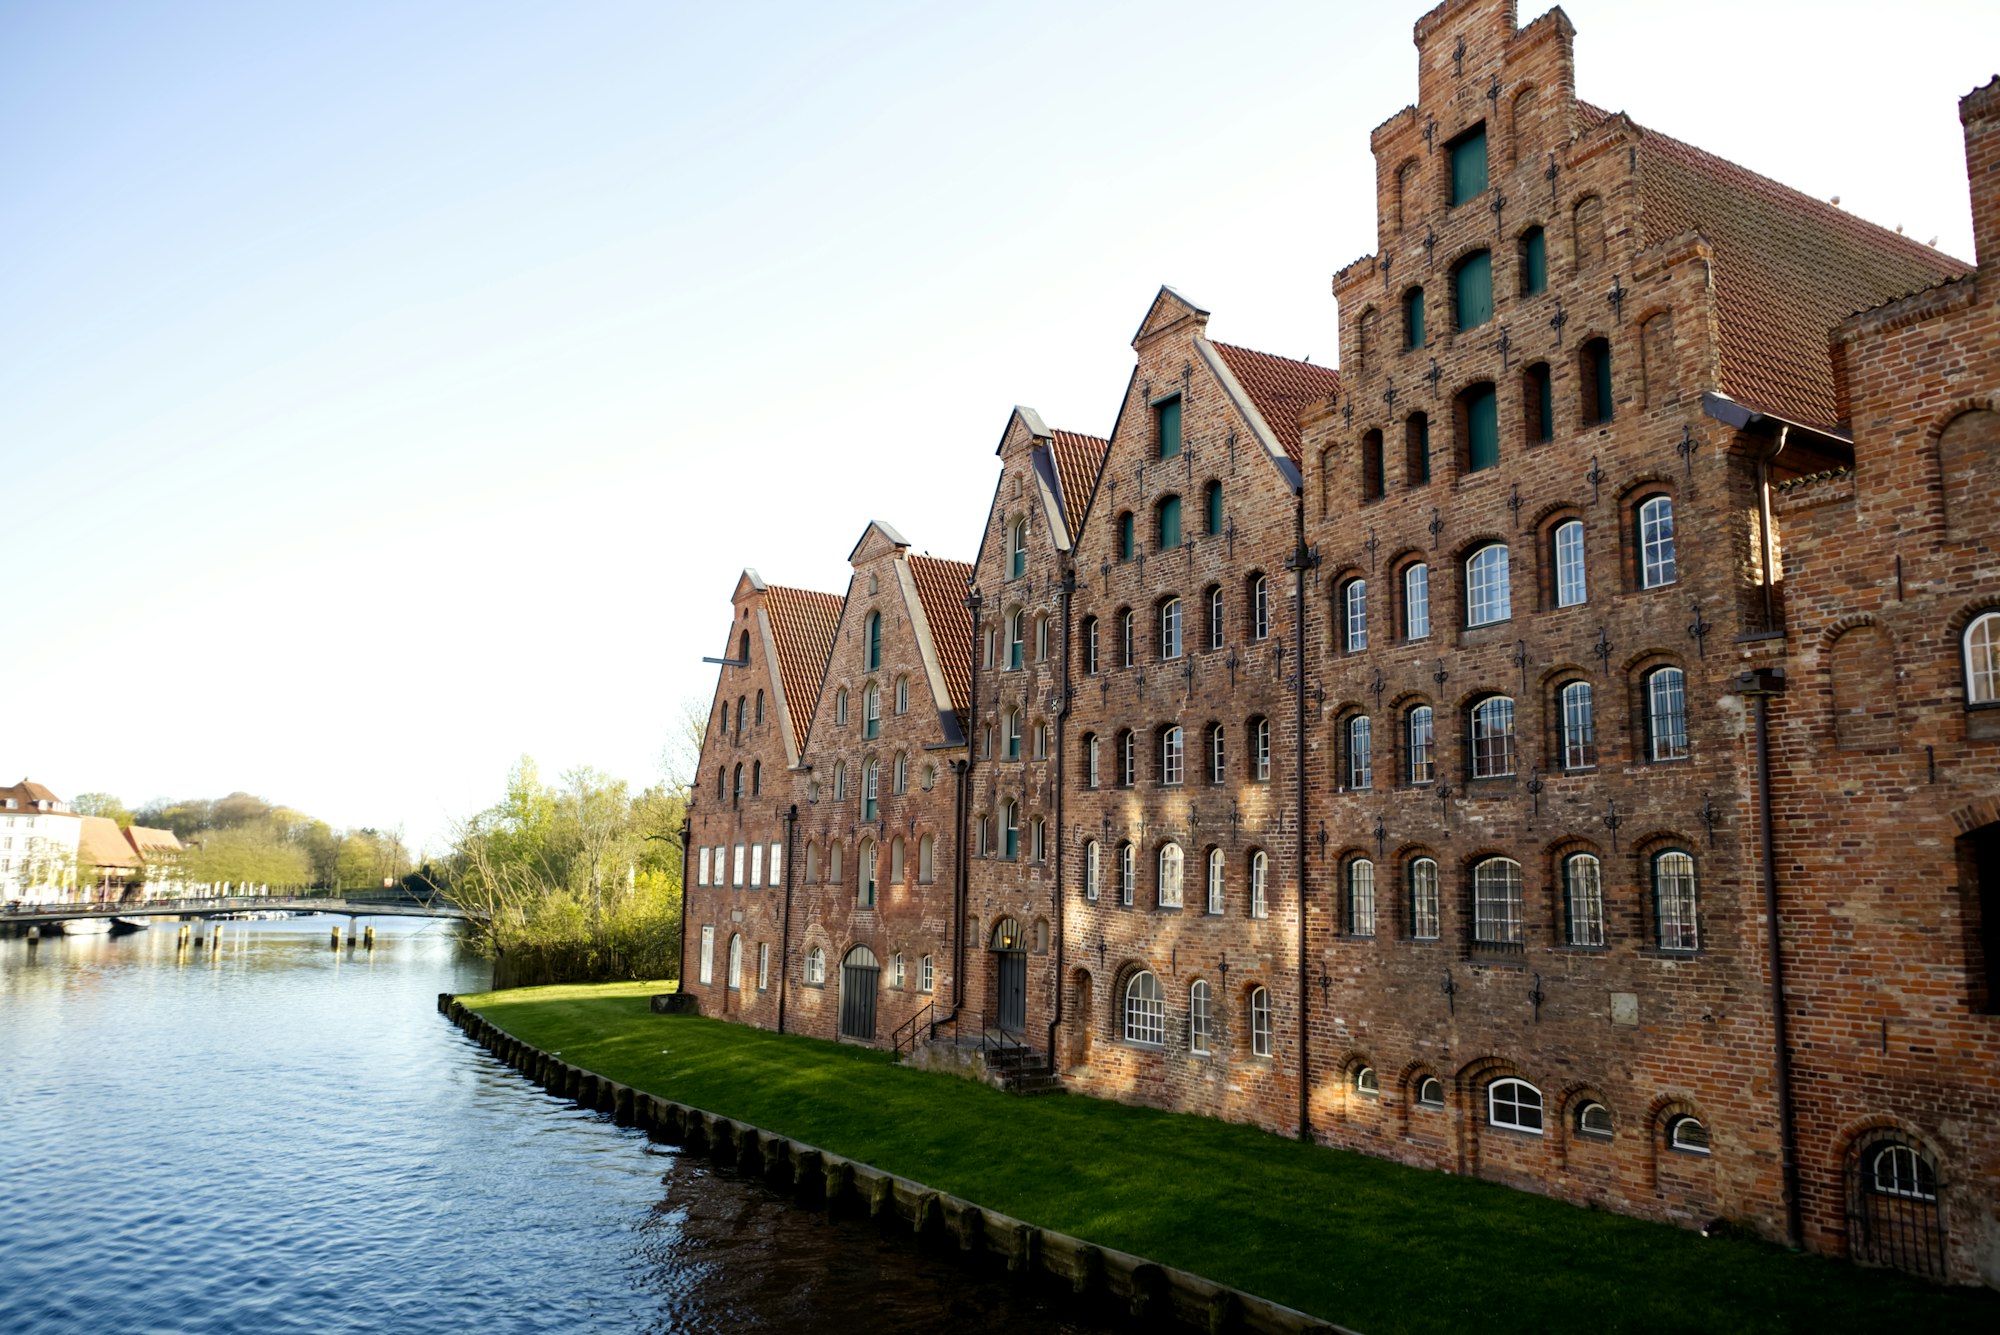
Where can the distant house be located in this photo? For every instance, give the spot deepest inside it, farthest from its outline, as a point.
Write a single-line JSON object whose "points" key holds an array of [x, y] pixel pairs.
{"points": [[159, 854], [39, 838]]}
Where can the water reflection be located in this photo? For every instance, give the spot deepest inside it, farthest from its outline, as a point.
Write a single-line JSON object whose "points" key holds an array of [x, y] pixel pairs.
{"points": [[271, 1135]]}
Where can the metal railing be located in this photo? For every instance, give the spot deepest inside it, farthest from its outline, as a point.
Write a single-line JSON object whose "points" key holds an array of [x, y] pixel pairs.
{"points": [[321, 901]]}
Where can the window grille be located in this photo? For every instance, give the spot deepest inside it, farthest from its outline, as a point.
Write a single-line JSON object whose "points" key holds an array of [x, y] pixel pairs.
{"points": [[1145, 1010]]}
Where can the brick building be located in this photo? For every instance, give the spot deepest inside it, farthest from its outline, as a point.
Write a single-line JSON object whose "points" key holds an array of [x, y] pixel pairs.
{"points": [[1380, 757]]}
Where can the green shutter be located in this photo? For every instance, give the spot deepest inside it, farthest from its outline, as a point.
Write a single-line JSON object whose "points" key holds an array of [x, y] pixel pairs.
{"points": [[1472, 289], [1545, 404], [1468, 166], [1125, 537], [1603, 369], [1215, 507], [1482, 429], [1170, 428], [1534, 262], [1413, 318], [874, 640], [1420, 450], [1170, 523]]}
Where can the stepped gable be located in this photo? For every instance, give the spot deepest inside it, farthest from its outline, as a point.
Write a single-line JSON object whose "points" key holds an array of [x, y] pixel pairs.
{"points": [[802, 623], [941, 588], [1079, 460], [1282, 389], [1788, 268]]}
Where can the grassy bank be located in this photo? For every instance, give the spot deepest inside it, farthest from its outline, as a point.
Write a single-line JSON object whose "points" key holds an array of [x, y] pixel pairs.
{"points": [[1373, 1245]]}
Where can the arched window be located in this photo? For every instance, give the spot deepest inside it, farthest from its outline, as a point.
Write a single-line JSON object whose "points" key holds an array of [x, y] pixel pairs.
{"points": [[1041, 639], [1538, 408], [1172, 757], [1656, 542], [1010, 734], [1170, 628], [1430, 1092], [1128, 874], [1468, 164], [902, 695], [1583, 889], [1594, 372], [1091, 873], [1017, 549], [1167, 426], [1038, 840], [1496, 902], [1361, 897], [1260, 750], [1566, 549], [840, 781], [1416, 601], [815, 966], [1354, 615], [1532, 256], [865, 871], [1515, 1105], [1212, 508], [742, 717], [840, 707], [926, 974], [1010, 829], [1426, 902], [812, 861], [1260, 880], [1167, 523], [721, 782], [871, 656], [1488, 594], [743, 647], [1360, 747], [1218, 756], [1090, 778], [896, 970], [1172, 867], [1420, 743], [1215, 881], [1472, 289], [1687, 1135], [760, 709], [1493, 737], [1127, 537], [1666, 714], [1199, 1022], [1145, 1010], [736, 787], [835, 855], [1413, 318], [1216, 630], [1593, 1121], [1898, 1170], [902, 774], [1416, 450], [735, 975], [1087, 643], [1260, 607], [1016, 638], [756, 778], [1128, 758], [1366, 1082], [1128, 637], [899, 870], [1982, 660], [1260, 1021], [1577, 726], [1674, 906], [1373, 483], [871, 710]]}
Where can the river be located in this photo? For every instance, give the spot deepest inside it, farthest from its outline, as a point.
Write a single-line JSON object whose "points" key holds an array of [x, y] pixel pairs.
{"points": [[275, 1136]]}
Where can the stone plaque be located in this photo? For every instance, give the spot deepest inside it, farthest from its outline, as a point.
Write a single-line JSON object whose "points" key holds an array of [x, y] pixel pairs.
{"points": [[1624, 1008]]}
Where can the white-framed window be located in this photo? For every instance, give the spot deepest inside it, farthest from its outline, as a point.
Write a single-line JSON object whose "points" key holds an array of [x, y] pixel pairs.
{"points": [[1687, 1135], [1145, 1010], [1260, 1021], [840, 707], [926, 858], [896, 970], [1417, 602], [1016, 639], [1128, 874], [902, 695], [1493, 737], [1218, 755], [1579, 726], [1568, 542], [721, 864], [1360, 752], [702, 880], [1200, 1026], [1430, 1092], [1354, 610], [1010, 829], [707, 974], [1426, 900], [764, 966], [1215, 881], [1583, 888], [1128, 638], [1674, 906], [1898, 1170], [1010, 735], [1260, 607], [925, 976], [777, 862], [1260, 881], [1420, 729], [756, 865], [1656, 542], [1367, 1083], [1361, 897], [1041, 639], [1593, 1121], [816, 966], [1090, 773], [1087, 646], [1260, 750], [1038, 840], [898, 863], [1128, 759], [1090, 871], [902, 779], [1488, 596], [1216, 632], [735, 974], [864, 868], [871, 789], [742, 861], [1666, 714], [1170, 628], [1172, 755], [1982, 660], [1515, 1105], [1172, 866], [833, 860], [871, 710], [1496, 902], [1017, 549], [840, 780]]}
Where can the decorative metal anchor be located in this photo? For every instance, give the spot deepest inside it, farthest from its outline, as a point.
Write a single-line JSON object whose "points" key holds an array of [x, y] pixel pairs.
{"points": [[1698, 631], [1612, 820], [1687, 446], [1709, 816], [1506, 342], [1616, 296], [1595, 477], [1535, 998], [1435, 374], [1558, 320], [1602, 649]]}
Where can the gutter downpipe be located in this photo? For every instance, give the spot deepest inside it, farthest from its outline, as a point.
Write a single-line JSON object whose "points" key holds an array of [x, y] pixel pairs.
{"points": [[1304, 560], [1062, 756], [785, 926], [687, 836], [1760, 684], [961, 855], [1769, 556]]}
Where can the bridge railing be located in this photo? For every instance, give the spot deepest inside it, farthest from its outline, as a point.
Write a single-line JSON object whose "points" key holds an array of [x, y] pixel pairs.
{"points": [[333, 900]]}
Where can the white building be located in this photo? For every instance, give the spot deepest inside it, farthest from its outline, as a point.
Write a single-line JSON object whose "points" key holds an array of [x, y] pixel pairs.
{"points": [[39, 836]]}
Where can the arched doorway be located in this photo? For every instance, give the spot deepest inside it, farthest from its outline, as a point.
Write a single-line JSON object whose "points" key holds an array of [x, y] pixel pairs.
{"points": [[859, 973], [1010, 956], [1893, 1215]]}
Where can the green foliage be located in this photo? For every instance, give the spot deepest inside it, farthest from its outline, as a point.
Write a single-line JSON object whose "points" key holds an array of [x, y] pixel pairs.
{"points": [[101, 804], [1371, 1244], [243, 839], [246, 855]]}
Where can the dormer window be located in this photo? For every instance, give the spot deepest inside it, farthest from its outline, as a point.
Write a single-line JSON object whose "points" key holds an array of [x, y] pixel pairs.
{"points": [[1468, 164]]}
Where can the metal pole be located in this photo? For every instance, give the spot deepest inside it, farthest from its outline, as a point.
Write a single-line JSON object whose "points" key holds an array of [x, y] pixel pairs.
{"points": [[1760, 685]]}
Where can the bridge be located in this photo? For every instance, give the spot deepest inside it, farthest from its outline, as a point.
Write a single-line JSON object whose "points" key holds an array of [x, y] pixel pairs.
{"points": [[349, 904]]}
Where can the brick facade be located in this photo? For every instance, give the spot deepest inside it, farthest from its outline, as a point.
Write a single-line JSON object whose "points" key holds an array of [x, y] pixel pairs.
{"points": [[1458, 676]]}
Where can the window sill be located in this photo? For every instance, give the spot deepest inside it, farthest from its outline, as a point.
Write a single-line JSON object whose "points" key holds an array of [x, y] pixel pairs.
{"points": [[1523, 1131]]}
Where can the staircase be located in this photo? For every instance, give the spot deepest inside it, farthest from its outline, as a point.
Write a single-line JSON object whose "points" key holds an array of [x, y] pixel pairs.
{"points": [[1019, 1069]]}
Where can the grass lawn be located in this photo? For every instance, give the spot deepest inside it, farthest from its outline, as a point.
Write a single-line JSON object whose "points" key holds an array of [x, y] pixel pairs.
{"points": [[1373, 1245]]}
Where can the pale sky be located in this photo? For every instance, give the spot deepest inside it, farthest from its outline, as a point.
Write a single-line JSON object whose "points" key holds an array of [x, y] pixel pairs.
{"points": [[391, 389]]}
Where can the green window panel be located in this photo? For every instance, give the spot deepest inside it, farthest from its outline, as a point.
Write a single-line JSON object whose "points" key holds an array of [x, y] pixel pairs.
{"points": [[1544, 425], [1413, 318], [1170, 523], [1215, 507], [874, 641], [1472, 289], [1419, 462], [1482, 429], [1468, 165], [1170, 428], [1125, 536], [1600, 359], [1534, 262]]}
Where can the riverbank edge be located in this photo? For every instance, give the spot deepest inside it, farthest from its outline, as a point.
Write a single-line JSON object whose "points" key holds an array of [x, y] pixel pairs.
{"points": [[819, 1179]]}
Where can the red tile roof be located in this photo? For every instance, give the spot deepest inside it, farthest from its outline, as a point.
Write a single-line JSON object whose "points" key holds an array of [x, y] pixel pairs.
{"points": [[941, 589], [1079, 459], [1281, 389], [1788, 268], [802, 623]]}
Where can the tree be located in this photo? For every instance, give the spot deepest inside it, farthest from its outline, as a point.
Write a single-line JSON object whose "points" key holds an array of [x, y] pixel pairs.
{"points": [[101, 804]]}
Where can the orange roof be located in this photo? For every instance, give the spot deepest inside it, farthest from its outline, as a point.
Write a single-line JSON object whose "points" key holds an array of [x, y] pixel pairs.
{"points": [[802, 623], [1788, 268], [1281, 389], [941, 589], [100, 843], [28, 791], [148, 842], [1079, 459]]}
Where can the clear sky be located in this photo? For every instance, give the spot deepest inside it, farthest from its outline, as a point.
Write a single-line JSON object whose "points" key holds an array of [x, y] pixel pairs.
{"points": [[391, 389]]}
